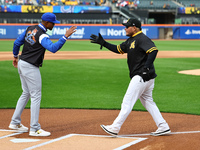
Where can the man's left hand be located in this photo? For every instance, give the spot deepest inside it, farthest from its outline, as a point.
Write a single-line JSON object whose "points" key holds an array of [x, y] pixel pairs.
{"points": [[15, 61]]}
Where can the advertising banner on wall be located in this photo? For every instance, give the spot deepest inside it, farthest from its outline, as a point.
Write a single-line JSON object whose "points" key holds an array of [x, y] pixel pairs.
{"points": [[190, 32], [10, 8], [54, 9], [189, 10], [36, 9], [107, 31], [83, 32], [81, 9]]}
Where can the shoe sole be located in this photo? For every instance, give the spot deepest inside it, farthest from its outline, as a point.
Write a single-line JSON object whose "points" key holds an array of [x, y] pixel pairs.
{"points": [[38, 135], [161, 133], [20, 130], [111, 133]]}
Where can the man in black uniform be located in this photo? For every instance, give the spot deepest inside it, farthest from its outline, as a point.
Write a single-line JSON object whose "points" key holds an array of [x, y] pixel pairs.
{"points": [[141, 53]]}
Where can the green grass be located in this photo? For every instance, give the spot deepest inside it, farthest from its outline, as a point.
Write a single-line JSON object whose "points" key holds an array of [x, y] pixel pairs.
{"points": [[78, 45], [101, 84], [177, 45]]}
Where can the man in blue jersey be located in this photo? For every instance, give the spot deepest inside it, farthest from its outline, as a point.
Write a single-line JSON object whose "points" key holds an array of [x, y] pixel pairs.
{"points": [[35, 41]]}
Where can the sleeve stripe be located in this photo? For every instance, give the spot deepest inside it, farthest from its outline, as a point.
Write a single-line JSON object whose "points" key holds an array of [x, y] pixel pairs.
{"points": [[42, 36], [151, 50], [119, 49]]}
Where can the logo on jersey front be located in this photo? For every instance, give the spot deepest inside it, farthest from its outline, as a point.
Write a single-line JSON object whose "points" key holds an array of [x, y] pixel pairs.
{"points": [[30, 36], [132, 45]]}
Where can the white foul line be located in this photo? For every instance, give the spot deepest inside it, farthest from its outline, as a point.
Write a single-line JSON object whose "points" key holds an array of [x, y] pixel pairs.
{"points": [[48, 142], [13, 134], [185, 132], [131, 143], [148, 134], [70, 135]]}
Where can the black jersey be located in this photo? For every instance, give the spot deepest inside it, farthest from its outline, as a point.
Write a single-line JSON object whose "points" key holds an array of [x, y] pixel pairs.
{"points": [[137, 48], [33, 52]]}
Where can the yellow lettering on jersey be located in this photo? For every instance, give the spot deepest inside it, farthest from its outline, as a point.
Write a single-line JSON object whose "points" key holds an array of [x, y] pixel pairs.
{"points": [[132, 45]]}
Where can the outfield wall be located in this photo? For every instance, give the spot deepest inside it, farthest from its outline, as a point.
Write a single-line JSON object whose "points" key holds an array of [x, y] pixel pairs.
{"points": [[12, 31]]}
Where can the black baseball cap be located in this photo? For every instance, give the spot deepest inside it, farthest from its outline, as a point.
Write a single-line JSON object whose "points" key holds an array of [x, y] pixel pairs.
{"points": [[132, 22]]}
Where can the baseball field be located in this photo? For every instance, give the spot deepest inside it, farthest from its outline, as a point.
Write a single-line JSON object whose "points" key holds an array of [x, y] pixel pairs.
{"points": [[83, 87]]}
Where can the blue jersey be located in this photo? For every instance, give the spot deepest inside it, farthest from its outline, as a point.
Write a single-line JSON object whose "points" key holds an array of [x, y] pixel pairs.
{"points": [[35, 41]]}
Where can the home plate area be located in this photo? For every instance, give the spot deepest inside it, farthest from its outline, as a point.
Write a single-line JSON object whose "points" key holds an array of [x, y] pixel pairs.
{"points": [[70, 141]]}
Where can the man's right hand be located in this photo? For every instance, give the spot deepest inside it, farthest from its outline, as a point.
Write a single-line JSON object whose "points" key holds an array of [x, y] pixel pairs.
{"points": [[70, 31]]}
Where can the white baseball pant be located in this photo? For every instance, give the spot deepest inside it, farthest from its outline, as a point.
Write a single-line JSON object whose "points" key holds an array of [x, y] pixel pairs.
{"points": [[138, 89], [31, 85]]}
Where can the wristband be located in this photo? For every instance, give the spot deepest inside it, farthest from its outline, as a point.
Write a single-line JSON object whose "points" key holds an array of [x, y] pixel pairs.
{"points": [[15, 56]]}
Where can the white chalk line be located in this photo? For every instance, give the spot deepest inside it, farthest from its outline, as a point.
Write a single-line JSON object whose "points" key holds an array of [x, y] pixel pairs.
{"points": [[119, 136], [48, 142], [130, 144], [136, 140], [9, 135], [148, 134]]}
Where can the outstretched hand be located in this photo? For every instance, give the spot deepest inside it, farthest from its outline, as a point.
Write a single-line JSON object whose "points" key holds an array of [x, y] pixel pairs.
{"points": [[97, 39], [70, 31]]}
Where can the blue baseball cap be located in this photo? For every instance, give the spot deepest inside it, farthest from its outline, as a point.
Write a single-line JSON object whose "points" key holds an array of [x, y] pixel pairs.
{"points": [[50, 17]]}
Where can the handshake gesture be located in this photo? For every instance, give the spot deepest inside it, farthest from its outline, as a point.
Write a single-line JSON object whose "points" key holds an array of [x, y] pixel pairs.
{"points": [[97, 39]]}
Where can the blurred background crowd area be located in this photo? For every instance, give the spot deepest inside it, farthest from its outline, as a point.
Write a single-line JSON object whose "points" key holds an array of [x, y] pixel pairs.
{"points": [[131, 4], [53, 2], [95, 12]]}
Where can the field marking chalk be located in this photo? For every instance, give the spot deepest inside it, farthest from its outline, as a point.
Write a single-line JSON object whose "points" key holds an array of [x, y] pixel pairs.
{"points": [[9, 135], [24, 140], [4, 130], [70, 135], [48, 142], [130, 144], [148, 134]]}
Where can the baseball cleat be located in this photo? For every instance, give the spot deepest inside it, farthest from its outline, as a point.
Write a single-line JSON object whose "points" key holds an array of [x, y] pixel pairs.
{"points": [[108, 130], [19, 127], [39, 133], [160, 132]]}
